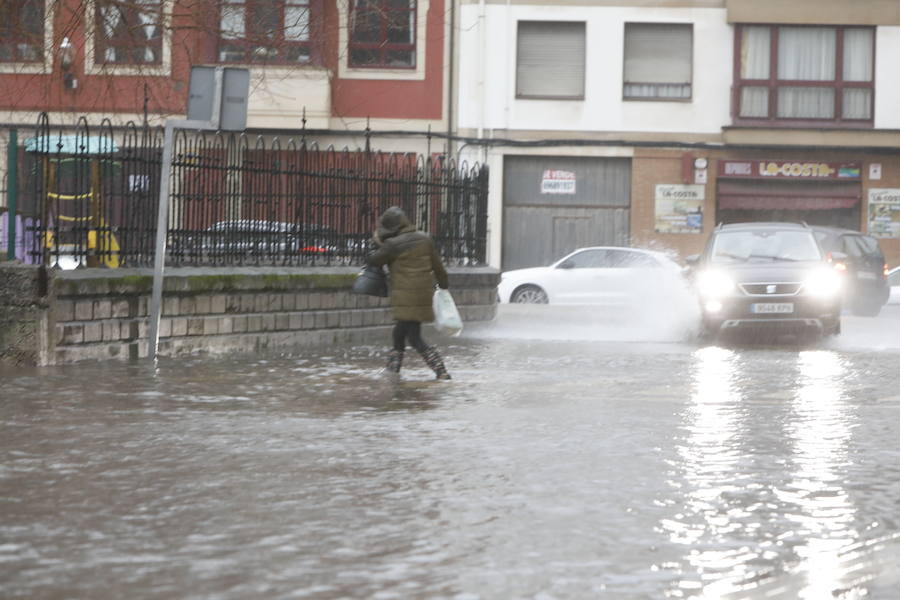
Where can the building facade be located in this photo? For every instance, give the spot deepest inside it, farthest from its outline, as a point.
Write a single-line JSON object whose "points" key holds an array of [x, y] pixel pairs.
{"points": [[332, 67], [648, 123]]}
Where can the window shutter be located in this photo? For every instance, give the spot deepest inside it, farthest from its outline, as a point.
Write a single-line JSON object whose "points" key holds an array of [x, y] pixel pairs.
{"points": [[550, 59], [658, 53]]}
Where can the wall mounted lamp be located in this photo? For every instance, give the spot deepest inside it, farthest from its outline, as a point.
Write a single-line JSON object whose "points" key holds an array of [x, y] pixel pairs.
{"points": [[66, 60]]}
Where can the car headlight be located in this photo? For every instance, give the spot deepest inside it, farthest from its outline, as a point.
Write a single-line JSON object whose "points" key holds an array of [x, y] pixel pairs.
{"points": [[823, 283], [714, 284]]}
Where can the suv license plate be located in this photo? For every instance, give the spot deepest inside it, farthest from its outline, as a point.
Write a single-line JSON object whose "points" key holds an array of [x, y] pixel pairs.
{"points": [[772, 307], [865, 275]]}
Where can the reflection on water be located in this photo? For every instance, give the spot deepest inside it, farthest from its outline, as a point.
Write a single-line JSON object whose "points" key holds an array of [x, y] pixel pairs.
{"points": [[751, 532], [821, 433], [709, 483]]}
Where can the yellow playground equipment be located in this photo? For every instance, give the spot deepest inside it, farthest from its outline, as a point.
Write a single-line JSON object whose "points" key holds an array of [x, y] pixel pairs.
{"points": [[99, 247], [102, 246]]}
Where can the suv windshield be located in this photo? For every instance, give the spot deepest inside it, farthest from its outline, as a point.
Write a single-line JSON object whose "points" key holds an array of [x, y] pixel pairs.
{"points": [[747, 246]]}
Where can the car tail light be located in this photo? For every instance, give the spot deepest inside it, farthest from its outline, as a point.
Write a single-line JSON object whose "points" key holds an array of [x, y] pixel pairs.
{"points": [[887, 270]]}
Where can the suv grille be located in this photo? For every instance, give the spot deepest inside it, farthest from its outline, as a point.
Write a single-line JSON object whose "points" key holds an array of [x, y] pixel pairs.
{"points": [[770, 289]]}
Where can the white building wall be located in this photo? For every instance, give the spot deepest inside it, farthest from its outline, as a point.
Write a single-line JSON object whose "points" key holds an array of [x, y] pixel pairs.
{"points": [[887, 84], [488, 68]]}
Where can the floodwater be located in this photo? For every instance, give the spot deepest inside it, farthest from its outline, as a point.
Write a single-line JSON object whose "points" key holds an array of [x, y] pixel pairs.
{"points": [[554, 465]]}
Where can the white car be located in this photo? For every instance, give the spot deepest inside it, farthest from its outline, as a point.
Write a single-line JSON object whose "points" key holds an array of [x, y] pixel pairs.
{"points": [[894, 282], [611, 276]]}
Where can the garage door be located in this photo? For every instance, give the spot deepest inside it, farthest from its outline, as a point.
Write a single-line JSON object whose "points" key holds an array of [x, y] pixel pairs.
{"points": [[555, 204]]}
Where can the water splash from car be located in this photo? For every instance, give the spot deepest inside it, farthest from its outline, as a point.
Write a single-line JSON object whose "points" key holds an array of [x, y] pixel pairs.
{"points": [[670, 316]]}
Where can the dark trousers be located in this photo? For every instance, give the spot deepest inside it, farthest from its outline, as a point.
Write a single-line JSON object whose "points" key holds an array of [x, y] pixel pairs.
{"points": [[409, 331]]}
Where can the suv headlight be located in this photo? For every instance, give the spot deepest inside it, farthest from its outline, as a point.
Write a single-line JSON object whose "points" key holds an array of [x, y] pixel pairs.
{"points": [[714, 284], [823, 283]]}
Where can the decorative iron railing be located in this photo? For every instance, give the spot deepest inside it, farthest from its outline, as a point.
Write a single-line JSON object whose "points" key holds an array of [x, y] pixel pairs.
{"points": [[93, 195]]}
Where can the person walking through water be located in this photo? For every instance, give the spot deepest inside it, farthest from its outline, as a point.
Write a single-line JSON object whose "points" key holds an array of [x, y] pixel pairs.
{"points": [[414, 265]]}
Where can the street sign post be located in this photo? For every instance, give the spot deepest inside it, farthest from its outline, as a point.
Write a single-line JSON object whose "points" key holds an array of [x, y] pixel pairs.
{"points": [[217, 100]]}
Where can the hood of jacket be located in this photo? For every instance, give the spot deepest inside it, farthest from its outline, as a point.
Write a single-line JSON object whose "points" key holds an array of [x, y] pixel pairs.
{"points": [[393, 222]]}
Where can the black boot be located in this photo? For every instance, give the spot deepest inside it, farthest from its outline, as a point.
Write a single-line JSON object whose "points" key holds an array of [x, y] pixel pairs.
{"points": [[395, 361], [435, 362]]}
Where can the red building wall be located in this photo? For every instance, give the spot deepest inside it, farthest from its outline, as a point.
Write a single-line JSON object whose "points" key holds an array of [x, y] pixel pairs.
{"points": [[193, 43], [392, 99]]}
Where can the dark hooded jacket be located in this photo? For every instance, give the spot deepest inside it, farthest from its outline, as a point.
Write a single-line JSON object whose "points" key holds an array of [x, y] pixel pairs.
{"points": [[414, 265]]}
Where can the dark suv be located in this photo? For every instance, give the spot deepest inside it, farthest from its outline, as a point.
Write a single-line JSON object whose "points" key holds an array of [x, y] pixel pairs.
{"points": [[866, 287], [769, 278]]}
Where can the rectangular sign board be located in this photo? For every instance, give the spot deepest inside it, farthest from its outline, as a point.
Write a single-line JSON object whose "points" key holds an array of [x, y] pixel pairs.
{"points": [[679, 208], [781, 169], [233, 106]]}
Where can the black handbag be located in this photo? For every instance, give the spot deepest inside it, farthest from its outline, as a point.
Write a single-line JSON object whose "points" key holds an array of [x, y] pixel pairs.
{"points": [[371, 281]]}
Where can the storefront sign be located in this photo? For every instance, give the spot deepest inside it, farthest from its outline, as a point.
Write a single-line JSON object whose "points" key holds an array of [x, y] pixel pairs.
{"points": [[557, 182], [679, 208], [780, 169], [884, 212]]}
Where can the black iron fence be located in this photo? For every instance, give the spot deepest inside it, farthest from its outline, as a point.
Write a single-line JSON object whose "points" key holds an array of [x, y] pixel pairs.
{"points": [[93, 194]]}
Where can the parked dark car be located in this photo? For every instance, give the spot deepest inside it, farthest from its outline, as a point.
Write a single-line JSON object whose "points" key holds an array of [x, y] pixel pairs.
{"points": [[260, 238], [766, 278], [866, 287]]}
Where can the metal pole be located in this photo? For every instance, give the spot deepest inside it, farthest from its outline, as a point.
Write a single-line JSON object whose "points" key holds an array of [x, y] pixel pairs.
{"points": [[162, 222], [162, 227], [12, 192]]}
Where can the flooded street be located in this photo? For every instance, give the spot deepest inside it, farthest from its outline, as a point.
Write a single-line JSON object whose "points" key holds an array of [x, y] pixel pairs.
{"points": [[559, 463]]}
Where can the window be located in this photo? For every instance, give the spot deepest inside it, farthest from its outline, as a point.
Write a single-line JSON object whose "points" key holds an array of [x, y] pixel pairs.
{"points": [[550, 60], [128, 33], [608, 259], [805, 73], [858, 246], [587, 259], [631, 260], [269, 31], [658, 61], [22, 31], [382, 33], [744, 246]]}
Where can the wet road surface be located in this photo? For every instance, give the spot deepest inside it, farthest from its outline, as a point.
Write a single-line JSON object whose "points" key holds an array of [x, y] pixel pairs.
{"points": [[559, 463]]}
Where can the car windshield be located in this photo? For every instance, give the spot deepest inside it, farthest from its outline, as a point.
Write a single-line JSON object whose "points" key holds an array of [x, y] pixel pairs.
{"points": [[764, 246]]}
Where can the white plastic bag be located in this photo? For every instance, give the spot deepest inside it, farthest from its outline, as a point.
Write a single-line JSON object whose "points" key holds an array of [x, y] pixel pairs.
{"points": [[446, 316]]}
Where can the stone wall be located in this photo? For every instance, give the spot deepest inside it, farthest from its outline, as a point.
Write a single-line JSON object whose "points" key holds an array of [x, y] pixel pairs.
{"points": [[102, 314], [24, 310]]}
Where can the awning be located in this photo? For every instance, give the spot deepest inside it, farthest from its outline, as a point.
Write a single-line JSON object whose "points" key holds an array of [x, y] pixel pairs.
{"points": [[784, 203], [766, 195]]}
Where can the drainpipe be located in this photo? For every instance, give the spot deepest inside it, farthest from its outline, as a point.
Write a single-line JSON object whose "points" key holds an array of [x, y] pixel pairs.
{"points": [[451, 129], [510, 36], [12, 191], [482, 57]]}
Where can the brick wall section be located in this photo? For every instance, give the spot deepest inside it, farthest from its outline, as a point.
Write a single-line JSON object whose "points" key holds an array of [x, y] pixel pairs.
{"points": [[102, 314]]}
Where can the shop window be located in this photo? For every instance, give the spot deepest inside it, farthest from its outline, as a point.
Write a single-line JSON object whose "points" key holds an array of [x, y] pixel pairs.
{"points": [[550, 60], [128, 33], [800, 73], [382, 34], [265, 31], [22, 31], [658, 61]]}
